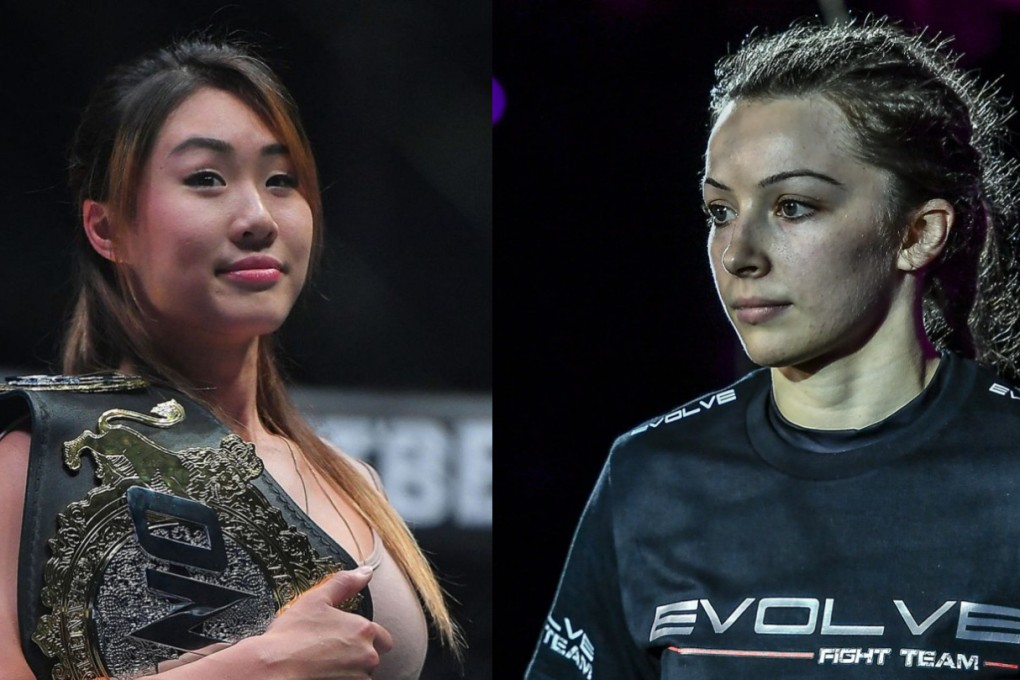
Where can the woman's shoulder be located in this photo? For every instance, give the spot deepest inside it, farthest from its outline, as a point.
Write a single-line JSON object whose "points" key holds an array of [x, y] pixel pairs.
{"points": [[997, 386], [711, 408], [362, 466]]}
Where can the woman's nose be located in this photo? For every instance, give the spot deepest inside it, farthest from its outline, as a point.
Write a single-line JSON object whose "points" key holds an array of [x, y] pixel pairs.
{"points": [[254, 226], [745, 253]]}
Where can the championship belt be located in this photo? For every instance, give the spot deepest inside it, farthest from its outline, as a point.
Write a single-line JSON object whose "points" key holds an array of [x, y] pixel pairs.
{"points": [[162, 548]]}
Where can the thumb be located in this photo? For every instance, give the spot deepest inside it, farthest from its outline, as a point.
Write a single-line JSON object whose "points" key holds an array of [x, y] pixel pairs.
{"points": [[342, 585]]}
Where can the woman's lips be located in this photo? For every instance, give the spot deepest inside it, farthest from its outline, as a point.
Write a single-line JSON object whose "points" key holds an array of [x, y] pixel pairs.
{"points": [[759, 311], [256, 270], [256, 276]]}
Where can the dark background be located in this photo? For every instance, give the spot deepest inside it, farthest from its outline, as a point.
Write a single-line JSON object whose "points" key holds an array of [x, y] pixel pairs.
{"points": [[603, 275], [395, 97]]}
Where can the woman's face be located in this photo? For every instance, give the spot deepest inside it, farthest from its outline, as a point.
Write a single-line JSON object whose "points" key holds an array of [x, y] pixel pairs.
{"points": [[803, 262], [220, 244]]}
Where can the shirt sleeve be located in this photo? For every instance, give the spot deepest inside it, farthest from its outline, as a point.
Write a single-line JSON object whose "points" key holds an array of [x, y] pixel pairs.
{"points": [[585, 635]]}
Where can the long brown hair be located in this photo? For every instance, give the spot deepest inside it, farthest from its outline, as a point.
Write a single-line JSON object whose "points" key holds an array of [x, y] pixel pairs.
{"points": [[111, 146]]}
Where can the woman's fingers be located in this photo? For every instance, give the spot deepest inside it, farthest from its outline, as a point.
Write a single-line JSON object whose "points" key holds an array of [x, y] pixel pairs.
{"points": [[355, 644], [341, 586]]}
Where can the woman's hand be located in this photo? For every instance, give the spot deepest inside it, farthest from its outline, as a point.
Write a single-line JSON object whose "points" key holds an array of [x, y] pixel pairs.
{"points": [[312, 640]]}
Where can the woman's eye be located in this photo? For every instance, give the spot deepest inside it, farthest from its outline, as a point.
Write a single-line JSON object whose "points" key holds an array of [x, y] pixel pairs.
{"points": [[283, 180], [204, 178], [719, 214], [793, 210]]}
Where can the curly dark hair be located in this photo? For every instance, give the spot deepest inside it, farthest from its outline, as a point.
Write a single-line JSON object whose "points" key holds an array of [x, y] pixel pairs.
{"points": [[939, 131]]}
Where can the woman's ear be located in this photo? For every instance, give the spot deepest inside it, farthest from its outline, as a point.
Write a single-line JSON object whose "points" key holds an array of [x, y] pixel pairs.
{"points": [[96, 219], [926, 235]]}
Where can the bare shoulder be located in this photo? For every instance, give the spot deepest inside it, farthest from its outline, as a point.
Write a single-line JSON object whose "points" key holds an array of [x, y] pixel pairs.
{"points": [[15, 445], [358, 464]]}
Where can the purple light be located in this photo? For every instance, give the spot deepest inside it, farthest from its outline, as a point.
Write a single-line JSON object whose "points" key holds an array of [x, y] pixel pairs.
{"points": [[498, 101]]}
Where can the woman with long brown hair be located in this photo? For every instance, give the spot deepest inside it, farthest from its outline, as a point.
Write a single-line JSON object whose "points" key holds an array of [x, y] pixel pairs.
{"points": [[190, 546]]}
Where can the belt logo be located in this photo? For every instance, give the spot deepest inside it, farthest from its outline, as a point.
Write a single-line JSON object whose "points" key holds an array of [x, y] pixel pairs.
{"points": [[199, 600]]}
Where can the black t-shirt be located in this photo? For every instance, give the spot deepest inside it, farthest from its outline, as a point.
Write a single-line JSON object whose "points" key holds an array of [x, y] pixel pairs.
{"points": [[715, 547]]}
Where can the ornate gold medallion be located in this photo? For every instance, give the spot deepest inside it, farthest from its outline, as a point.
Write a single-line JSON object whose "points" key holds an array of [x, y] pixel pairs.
{"points": [[172, 551]]}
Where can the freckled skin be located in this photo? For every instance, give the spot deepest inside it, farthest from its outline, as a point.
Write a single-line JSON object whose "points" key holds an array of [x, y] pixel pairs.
{"points": [[818, 250]]}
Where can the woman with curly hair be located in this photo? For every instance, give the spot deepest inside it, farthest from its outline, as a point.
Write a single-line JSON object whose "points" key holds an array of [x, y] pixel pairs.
{"points": [[851, 507]]}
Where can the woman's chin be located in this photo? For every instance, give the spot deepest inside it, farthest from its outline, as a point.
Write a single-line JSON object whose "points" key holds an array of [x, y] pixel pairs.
{"points": [[220, 332], [768, 355]]}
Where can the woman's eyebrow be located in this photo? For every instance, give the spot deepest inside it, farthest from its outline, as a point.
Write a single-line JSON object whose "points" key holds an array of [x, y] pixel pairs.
{"points": [[211, 143], [803, 172], [779, 177], [220, 146], [275, 150]]}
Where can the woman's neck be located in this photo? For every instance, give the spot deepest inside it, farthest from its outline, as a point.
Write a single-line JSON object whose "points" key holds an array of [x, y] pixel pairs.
{"points": [[226, 378], [855, 391]]}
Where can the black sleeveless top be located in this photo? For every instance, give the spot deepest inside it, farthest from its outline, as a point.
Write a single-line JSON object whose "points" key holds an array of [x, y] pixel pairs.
{"points": [[149, 529]]}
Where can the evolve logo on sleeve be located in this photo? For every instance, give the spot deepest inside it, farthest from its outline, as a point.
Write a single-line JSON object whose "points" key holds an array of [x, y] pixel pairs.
{"points": [[1004, 391], [571, 643], [706, 404]]}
